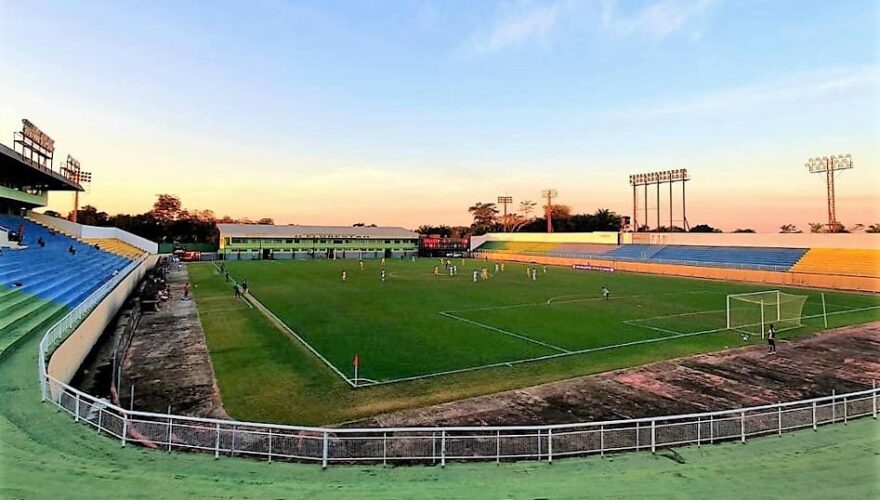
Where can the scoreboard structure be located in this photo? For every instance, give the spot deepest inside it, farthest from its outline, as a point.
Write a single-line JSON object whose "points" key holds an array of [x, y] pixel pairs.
{"points": [[435, 245]]}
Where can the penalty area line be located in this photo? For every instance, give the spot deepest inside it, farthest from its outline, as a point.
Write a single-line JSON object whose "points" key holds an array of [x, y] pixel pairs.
{"points": [[505, 332], [544, 358]]}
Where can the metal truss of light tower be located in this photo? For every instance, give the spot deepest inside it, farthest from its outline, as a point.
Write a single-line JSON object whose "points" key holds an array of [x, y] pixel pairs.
{"points": [[829, 165], [504, 201], [71, 169], [549, 194], [658, 178]]}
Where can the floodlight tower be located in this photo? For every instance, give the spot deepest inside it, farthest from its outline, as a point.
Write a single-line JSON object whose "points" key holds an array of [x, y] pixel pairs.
{"points": [[71, 169], [829, 165], [549, 194], [504, 201]]}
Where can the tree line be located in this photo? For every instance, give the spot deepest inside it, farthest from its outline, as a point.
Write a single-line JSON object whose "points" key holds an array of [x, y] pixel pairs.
{"points": [[167, 222]]}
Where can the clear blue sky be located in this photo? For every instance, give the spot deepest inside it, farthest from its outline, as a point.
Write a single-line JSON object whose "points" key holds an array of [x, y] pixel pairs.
{"points": [[282, 108]]}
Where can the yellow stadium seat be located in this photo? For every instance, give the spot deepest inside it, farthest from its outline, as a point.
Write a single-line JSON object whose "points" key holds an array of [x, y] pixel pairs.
{"points": [[838, 261], [118, 247]]}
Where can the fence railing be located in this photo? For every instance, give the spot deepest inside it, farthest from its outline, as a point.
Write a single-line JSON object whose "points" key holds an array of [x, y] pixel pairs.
{"points": [[439, 445], [59, 332], [434, 445]]}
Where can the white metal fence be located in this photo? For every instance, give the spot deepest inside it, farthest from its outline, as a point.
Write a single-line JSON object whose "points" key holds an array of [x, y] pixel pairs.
{"points": [[436, 445], [439, 445]]}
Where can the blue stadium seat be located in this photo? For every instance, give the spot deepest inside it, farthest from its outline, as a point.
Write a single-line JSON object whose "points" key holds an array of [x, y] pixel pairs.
{"points": [[745, 257], [51, 272]]}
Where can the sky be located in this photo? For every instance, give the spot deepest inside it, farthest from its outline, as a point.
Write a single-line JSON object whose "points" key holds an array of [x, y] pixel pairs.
{"points": [[408, 112]]}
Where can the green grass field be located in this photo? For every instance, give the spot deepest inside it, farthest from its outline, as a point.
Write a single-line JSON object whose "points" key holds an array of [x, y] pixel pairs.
{"points": [[397, 330], [44, 454]]}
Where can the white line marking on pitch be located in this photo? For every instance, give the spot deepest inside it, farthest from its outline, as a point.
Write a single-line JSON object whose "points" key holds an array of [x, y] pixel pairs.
{"points": [[505, 332]]}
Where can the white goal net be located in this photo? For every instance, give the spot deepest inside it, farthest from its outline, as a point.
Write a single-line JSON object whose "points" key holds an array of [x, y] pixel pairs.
{"points": [[753, 313]]}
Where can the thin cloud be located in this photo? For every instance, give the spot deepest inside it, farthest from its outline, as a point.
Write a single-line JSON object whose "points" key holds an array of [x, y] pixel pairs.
{"points": [[657, 20], [798, 87], [524, 24]]}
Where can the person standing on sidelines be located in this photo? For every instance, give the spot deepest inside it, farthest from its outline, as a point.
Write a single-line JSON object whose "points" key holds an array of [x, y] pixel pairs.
{"points": [[771, 340]]}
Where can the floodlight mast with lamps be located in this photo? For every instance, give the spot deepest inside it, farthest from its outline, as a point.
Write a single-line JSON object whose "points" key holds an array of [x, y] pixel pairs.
{"points": [[71, 169], [504, 201], [549, 194], [829, 165], [658, 178]]}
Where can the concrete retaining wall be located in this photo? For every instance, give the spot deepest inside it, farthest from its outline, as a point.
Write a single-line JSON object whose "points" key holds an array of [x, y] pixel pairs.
{"points": [[66, 360]]}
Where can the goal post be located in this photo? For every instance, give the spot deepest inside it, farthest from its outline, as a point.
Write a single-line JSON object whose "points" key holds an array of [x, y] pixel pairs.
{"points": [[752, 313]]}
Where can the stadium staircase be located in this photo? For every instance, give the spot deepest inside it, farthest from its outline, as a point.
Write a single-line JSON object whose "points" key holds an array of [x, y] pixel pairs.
{"points": [[840, 262], [39, 283]]}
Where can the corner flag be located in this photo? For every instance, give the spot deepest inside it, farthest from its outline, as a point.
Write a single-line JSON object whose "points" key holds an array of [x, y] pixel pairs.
{"points": [[356, 363]]}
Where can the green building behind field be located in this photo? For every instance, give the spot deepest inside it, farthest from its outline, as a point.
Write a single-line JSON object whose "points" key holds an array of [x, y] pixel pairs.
{"points": [[258, 241]]}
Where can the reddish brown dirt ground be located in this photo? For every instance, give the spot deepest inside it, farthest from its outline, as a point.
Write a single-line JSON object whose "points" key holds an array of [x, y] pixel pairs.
{"points": [[841, 360], [168, 361]]}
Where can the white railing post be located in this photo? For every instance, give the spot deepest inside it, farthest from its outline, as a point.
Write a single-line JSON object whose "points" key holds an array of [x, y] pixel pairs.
{"points": [[602, 440], [325, 448], [844, 410], [699, 429], [874, 398], [124, 427], [100, 418], [711, 429], [232, 446], [170, 428], [270, 445], [217, 443], [814, 416], [550, 445], [779, 417], [833, 406], [443, 448], [384, 448], [653, 436], [498, 447], [742, 426], [637, 436], [76, 414]]}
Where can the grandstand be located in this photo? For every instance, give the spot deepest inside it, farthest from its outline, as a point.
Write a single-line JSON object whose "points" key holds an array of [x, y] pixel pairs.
{"points": [[809, 259]]}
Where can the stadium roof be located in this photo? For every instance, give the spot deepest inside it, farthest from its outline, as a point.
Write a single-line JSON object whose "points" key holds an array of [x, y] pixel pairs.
{"points": [[30, 174], [294, 231]]}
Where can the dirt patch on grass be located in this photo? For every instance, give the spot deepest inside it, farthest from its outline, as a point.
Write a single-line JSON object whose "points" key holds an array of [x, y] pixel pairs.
{"points": [[842, 360], [168, 361]]}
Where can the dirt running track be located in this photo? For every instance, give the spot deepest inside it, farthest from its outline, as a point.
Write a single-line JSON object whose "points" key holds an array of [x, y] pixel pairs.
{"points": [[843, 360]]}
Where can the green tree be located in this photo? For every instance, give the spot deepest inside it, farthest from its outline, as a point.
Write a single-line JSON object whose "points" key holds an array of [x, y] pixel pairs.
{"points": [[167, 208], [873, 228], [704, 228], [789, 228], [746, 230], [484, 217]]}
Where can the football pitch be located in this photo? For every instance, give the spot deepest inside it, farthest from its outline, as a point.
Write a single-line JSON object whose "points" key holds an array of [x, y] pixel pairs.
{"points": [[418, 324]]}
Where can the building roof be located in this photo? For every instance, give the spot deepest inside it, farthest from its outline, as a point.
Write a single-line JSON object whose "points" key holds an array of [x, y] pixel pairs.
{"points": [[31, 174], [295, 231]]}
